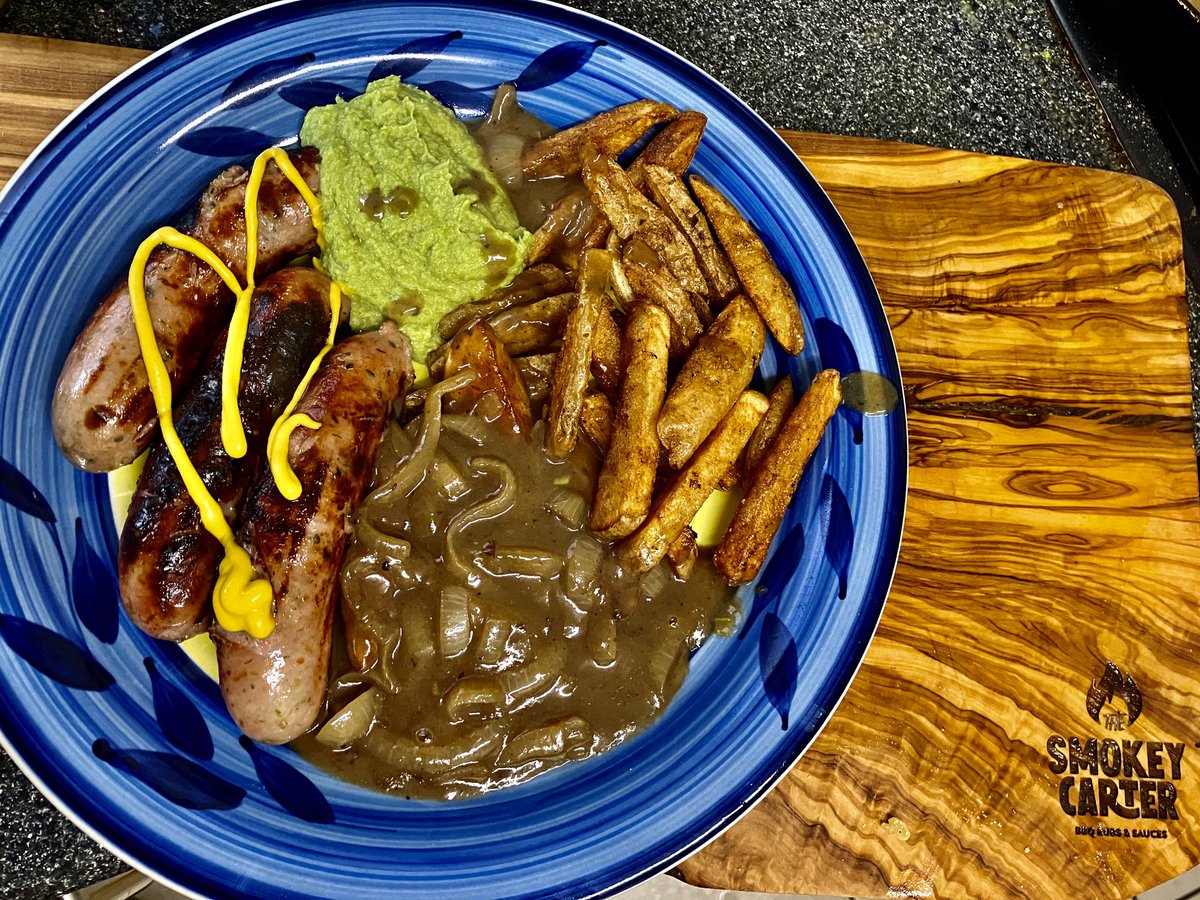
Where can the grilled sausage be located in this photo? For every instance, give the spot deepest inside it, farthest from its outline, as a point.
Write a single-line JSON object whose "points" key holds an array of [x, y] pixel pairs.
{"points": [[274, 687], [103, 412], [167, 561]]}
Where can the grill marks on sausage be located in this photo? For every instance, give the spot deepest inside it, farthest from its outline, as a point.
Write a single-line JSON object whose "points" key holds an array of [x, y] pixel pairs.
{"points": [[166, 559], [103, 412], [274, 687]]}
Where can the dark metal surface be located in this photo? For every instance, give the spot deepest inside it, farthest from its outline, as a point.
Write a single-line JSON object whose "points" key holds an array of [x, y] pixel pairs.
{"points": [[993, 76]]}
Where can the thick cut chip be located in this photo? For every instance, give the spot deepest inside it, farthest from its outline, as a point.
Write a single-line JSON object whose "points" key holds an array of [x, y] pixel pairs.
{"points": [[782, 398], [532, 284], [683, 553], [630, 213], [575, 357], [716, 372], [755, 268], [673, 147], [606, 347], [677, 506], [596, 420], [532, 326], [743, 550], [498, 389], [648, 278], [626, 482], [612, 133], [672, 197]]}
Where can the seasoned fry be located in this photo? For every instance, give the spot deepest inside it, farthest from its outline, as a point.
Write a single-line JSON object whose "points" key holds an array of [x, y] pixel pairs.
{"points": [[648, 278], [533, 283], [575, 356], [683, 553], [678, 505], [534, 325], [538, 365], [476, 347], [733, 475], [523, 328], [781, 398], [570, 219], [596, 419], [536, 370], [631, 213], [758, 273], [716, 372], [673, 147], [626, 482], [673, 198], [606, 348], [612, 132], [702, 309], [744, 547]]}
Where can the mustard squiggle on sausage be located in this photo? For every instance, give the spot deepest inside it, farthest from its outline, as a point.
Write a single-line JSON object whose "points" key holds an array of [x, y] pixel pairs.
{"points": [[242, 600]]}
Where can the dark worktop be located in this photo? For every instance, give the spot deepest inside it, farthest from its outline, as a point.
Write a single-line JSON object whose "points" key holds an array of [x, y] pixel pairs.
{"points": [[994, 76]]}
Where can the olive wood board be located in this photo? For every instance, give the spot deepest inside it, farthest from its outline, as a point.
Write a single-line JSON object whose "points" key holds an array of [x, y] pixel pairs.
{"points": [[1052, 528]]}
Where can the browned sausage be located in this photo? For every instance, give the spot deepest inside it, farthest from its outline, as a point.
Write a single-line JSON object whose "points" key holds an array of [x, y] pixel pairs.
{"points": [[167, 561], [274, 687], [103, 413]]}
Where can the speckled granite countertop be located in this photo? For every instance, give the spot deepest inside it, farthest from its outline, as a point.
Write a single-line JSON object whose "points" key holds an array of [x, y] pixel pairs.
{"points": [[992, 76]]}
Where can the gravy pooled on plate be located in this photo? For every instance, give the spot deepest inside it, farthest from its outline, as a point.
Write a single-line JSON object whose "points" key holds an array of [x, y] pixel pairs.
{"points": [[490, 636]]}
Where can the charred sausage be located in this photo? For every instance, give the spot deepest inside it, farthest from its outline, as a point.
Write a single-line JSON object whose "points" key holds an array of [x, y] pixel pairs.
{"points": [[167, 561], [103, 413], [274, 687]]}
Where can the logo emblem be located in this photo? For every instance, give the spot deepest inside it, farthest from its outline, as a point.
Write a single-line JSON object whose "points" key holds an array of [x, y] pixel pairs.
{"points": [[1114, 683]]}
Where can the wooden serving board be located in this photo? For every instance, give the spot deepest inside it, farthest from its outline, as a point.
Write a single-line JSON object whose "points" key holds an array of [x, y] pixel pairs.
{"points": [[1053, 528]]}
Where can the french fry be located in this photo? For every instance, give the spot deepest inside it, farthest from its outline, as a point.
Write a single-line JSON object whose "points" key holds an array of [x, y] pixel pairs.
{"points": [[606, 348], [630, 213], [649, 279], [673, 198], [733, 475], [533, 283], [524, 328], [476, 347], [673, 147], [575, 356], [692, 485], [571, 217], [782, 398], [536, 371], [596, 420], [683, 553], [756, 270], [612, 132], [626, 483], [534, 325], [744, 547], [715, 373], [702, 309]]}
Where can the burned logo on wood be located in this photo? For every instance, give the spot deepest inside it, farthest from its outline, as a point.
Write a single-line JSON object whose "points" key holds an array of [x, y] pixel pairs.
{"points": [[1106, 776]]}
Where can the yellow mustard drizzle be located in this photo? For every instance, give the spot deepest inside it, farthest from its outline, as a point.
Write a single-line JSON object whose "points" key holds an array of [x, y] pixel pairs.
{"points": [[242, 601], [233, 435], [281, 432]]}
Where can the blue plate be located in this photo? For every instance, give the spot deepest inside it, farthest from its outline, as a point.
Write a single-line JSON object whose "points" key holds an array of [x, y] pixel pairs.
{"points": [[133, 742]]}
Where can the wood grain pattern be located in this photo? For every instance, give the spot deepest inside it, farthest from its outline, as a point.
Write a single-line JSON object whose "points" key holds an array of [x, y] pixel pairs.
{"points": [[1052, 524]]}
